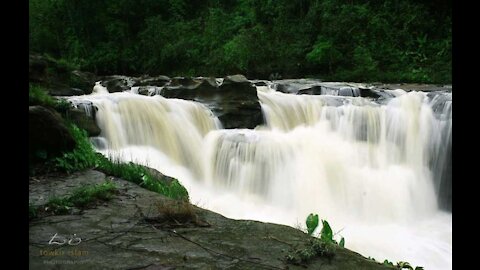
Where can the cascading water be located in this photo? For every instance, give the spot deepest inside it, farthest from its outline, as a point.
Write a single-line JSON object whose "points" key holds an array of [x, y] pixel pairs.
{"points": [[379, 171]]}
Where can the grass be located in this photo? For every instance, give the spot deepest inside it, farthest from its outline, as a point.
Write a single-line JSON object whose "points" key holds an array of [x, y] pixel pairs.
{"points": [[176, 211], [140, 175], [81, 197], [38, 95], [84, 157], [314, 248]]}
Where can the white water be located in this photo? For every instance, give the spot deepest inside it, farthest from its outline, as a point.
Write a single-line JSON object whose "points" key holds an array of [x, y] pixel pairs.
{"points": [[363, 167]]}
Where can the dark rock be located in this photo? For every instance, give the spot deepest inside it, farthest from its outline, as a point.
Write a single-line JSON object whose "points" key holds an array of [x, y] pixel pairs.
{"points": [[83, 80], [239, 106], [184, 82], [153, 81], [260, 83], [191, 88], [118, 83], [234, 101], [47, 132], [367, 92], [286, 88], [83, 121]]}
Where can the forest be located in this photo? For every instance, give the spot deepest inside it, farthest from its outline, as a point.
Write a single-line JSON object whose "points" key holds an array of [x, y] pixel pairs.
{"points": [[342, 40]]}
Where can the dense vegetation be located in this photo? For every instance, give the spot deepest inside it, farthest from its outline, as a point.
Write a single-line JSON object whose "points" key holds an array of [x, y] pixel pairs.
{"points": [[407, 41]]}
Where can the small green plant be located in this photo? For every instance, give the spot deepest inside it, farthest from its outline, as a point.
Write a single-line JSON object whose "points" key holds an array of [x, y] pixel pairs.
{"points": [[406, 265], [386, 262], [81, 197], [312, 223], [87, 194], [400, 265], [326, 234], [315, 247]]}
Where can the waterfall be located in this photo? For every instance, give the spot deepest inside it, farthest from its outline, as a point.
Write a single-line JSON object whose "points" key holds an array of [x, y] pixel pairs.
{"points": [[379, 170]]}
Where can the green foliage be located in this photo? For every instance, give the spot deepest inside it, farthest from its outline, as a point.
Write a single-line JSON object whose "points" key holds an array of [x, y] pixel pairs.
{"points": [[342, 242], [312, 223], [326, 234], [387, 262], [315, 247], [406, 265], [37, 95], [89, 193], [391, 41], [81, 158], [84, 157], [401, 265], [140, 175], [81, 197]]}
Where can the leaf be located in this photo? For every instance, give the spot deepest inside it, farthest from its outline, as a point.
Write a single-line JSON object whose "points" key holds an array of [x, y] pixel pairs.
{"points": [[342, 242], [326, 233], [312, 223], [386, 262], [404, 265]]}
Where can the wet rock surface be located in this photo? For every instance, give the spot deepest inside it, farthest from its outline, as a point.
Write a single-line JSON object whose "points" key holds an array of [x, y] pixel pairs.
{"points": [[119, 234]]}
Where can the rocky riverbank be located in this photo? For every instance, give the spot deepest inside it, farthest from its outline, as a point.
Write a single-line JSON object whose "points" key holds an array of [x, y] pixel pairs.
{"points": [[131, 232]]}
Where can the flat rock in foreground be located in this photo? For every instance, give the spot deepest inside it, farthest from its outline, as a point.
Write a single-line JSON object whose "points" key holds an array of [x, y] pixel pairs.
{"points": [[117, 235]]}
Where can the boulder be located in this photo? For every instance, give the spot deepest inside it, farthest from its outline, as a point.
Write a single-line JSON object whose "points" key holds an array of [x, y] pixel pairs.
{"points": [[83, 121], [191, 88], [239, 106], [47, 133], [118, 83], [83, 80], [234, 101]]}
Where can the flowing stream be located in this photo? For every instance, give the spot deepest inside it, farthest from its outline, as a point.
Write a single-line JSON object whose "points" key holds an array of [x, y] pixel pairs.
{"points": [[379, 172]]}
